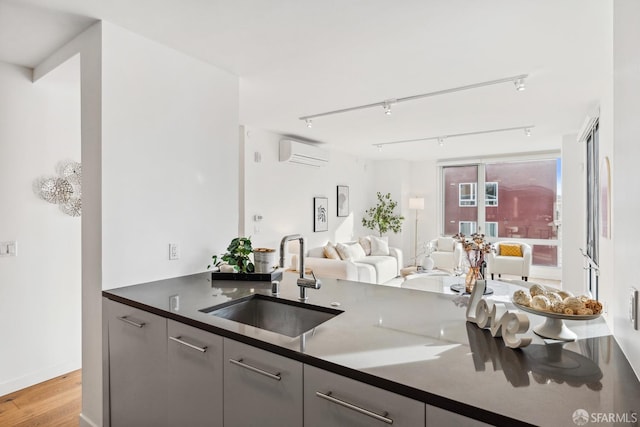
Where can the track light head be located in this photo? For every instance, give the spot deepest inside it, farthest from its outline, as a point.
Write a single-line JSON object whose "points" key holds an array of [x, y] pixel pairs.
{"points": [[379, 147], [527, 131], [309, 123], [441, 141], [387, 107], [519, 84]]}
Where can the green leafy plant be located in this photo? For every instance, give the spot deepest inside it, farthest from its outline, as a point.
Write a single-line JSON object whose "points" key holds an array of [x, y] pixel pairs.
{"points": [[237, 256], [381, 217]]}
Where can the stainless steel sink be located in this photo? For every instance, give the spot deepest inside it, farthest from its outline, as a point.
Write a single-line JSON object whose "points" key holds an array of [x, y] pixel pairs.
{"points": [[273, 314]]}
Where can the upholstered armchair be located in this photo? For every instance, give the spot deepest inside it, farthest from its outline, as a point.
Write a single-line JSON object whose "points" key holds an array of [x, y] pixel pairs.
{"points": [[446, 253], [510, 258]]}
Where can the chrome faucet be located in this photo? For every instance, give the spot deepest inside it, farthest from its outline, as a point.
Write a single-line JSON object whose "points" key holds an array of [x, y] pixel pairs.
{"points": [[302, 281]]}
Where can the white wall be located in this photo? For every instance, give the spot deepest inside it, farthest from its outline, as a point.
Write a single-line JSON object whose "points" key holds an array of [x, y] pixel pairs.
{"points": [[573, 214], [170, 130], [282, 193], [40, 288], [158, 130], [626, 152], [424, 183], [394, 177], [608, 277]]}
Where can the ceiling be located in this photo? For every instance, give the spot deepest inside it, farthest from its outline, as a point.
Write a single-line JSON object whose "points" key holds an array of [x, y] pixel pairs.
{"points": [[302, 57]]}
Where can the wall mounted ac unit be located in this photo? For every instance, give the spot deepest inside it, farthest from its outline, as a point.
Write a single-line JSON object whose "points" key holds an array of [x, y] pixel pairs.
{"points": [[304, 154]]}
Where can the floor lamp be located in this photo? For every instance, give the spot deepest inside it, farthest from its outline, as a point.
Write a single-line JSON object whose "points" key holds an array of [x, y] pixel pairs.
{"points": [[416, 203]]}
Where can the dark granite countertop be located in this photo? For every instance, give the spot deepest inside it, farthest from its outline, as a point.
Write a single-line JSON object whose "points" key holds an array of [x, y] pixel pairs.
{"points": [[418, 344]]}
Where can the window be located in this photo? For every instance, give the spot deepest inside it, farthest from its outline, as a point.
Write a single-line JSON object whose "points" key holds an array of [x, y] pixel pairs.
{"points": [[491, 229], [467, 194], [593, 206], [491, 194], [467, 227], [522, 200]]}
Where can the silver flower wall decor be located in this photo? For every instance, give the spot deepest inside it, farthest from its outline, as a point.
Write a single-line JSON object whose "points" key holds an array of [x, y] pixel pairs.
{"points": [[64, 190]]}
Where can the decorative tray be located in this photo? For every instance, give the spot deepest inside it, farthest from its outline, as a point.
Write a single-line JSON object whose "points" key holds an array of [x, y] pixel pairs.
{"points": [[554, 327], [556, 315]]}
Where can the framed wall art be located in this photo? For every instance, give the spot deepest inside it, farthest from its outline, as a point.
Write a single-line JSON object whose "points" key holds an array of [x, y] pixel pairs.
{"points": [[343, 200], [320, 214]]}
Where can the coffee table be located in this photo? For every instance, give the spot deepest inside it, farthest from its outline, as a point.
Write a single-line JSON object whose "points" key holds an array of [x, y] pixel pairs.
{"points": [[502, 290], [411, 271]]}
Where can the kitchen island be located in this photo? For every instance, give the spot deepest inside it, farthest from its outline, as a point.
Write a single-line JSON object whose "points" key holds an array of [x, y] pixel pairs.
{"points": [[417, 344]]}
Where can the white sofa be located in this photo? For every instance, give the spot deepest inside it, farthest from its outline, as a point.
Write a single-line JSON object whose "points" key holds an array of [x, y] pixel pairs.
{"points": [[447, 253], [499, 263], [362, 268]]}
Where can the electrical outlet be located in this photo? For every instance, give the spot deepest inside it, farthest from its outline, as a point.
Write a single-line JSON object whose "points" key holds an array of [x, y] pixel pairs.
{"points": [[633, 307], [174, 251], [9, 248]]}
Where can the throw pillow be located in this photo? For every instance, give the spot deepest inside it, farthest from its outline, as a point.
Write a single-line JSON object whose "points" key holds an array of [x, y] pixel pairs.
{"points": [[445, 244], [365, 242], [379, 246], [350, 251], [330, 251], [510, 250]]}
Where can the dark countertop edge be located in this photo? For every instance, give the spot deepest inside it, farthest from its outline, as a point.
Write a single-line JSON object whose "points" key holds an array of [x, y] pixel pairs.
{"points": [[392, 386]]}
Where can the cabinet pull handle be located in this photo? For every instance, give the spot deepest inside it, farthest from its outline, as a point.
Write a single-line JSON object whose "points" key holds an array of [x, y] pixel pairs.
{"points": [[195, 347], [356, 408], [131, 322], [238, 362]]}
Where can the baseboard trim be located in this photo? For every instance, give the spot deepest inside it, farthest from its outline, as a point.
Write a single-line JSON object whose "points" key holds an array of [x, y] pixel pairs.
{"points": [[38, 377]]}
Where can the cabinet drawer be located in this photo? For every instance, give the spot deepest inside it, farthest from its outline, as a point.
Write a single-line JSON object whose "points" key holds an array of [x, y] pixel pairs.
{"points": [[441, 417], [137, 366], [334, 400], [194, 375], [260, 388]]}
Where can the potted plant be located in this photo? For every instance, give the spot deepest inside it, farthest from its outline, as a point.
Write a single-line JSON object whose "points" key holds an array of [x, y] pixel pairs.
{"points": [[237, 256], [236, 263], [381, 217]]}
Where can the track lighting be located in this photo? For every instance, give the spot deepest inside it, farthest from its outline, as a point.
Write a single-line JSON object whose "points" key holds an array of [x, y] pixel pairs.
{"points": [[387, 108], [441, 138], [309, 123], [386, 104]]}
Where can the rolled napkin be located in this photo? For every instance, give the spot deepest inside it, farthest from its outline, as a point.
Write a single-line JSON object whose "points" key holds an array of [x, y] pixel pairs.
{"points": [[541, 302], [522, 297], [537, 290], [574, 304]]}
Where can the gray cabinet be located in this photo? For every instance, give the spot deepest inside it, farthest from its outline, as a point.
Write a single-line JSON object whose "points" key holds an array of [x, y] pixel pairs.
{"points": [[334, 400], [137, 352], [194, 376], [163, 373], [441, 417], [261, 389]]}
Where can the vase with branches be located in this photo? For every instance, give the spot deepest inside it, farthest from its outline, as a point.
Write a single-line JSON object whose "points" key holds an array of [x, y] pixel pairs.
{"points": [[475, 248], [381, 217]]}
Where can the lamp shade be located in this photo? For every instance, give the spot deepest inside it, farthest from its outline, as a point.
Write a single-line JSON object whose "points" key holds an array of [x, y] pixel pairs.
{"points": [[416, 203]]}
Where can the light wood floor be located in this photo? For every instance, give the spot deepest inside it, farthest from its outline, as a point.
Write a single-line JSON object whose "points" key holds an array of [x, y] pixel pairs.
{"points": [[54, 403]]}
